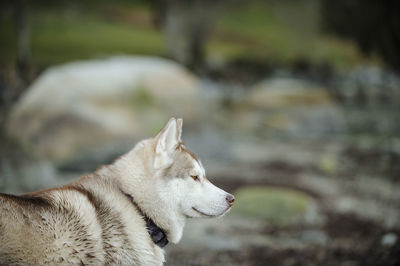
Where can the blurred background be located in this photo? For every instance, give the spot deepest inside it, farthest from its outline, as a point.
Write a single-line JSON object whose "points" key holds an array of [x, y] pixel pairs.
{"points": [[292, 105]]}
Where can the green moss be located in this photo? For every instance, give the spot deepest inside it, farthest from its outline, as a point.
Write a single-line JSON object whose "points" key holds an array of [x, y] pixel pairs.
{"points": [[328, 164], [278, 206], [142, 99]]}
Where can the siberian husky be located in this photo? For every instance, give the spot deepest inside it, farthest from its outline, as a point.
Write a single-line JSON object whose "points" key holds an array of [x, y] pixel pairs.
{"points": [[123, 213]]}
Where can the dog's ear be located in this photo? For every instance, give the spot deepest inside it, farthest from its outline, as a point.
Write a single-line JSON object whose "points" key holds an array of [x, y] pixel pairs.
{"points": [[166, 143], [179, 124]]}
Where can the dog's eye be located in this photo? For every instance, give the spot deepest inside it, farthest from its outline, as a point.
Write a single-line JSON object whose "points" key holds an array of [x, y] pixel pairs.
{"points": [[195, 177]]}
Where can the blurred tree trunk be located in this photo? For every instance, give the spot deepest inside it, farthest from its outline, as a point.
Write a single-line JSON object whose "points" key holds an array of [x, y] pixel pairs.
{"points": [[23, 41], [20, 168], [14, 80], [186, 25]]}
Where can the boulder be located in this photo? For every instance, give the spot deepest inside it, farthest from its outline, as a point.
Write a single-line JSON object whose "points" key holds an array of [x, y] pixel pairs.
{"points": [[102, 105], [21, 171]]}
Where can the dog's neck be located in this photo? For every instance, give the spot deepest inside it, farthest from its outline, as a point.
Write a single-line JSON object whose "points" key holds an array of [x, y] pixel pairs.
{"points": [[157, 234], [129, 171]]}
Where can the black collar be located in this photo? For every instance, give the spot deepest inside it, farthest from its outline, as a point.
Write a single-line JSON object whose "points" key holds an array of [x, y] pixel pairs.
{"points": [[156, 233]]}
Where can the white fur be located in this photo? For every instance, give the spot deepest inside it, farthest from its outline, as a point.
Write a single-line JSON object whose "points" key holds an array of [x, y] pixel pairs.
{"points": [[79, 222], [158, 176]]}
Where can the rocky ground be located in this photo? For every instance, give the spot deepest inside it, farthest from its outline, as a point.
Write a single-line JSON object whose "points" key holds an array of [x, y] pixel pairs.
{"points": [[304, 218], [314, 166], [316, 183]]}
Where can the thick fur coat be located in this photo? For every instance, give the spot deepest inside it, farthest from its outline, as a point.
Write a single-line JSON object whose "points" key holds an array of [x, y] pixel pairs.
{"points": [[98, 219]]}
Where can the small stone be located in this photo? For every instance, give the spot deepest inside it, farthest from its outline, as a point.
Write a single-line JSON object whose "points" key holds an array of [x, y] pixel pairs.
{"points": [[389, 239]]}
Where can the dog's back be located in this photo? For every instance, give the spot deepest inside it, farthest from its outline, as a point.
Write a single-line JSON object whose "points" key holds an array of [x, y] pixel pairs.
{"points": [[83, 223], [18, 238], [41, 229]]}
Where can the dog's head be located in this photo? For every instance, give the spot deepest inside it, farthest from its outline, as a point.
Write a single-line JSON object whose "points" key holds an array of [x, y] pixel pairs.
{"points": [[184, 185]]}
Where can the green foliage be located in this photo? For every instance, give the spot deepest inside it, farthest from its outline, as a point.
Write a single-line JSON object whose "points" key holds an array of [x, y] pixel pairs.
{"points": [[58, 37], [252, 31], [255, 31], [58, 40]]}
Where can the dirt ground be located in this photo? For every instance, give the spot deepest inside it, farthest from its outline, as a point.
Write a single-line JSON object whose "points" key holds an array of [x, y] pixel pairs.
{"points": [[353, 241], [350, 239]]}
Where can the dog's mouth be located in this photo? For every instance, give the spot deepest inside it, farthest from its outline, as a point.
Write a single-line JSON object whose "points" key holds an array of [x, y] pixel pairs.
{"points": [[211, 215]]}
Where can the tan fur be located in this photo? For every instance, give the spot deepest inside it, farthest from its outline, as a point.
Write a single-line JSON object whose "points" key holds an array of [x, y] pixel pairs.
{"points": [[92, 221], [181, 146], [88, 222]]}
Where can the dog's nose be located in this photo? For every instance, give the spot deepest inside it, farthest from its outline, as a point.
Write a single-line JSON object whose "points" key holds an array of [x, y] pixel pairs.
{"points": [[230, 199]]}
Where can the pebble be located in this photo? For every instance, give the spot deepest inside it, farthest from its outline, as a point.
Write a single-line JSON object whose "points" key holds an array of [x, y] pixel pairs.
{"points": [[389, 239]]}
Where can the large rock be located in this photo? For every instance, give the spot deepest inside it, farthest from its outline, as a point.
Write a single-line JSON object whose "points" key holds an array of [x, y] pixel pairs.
{"points": [[101, 105], [21, 171]]}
